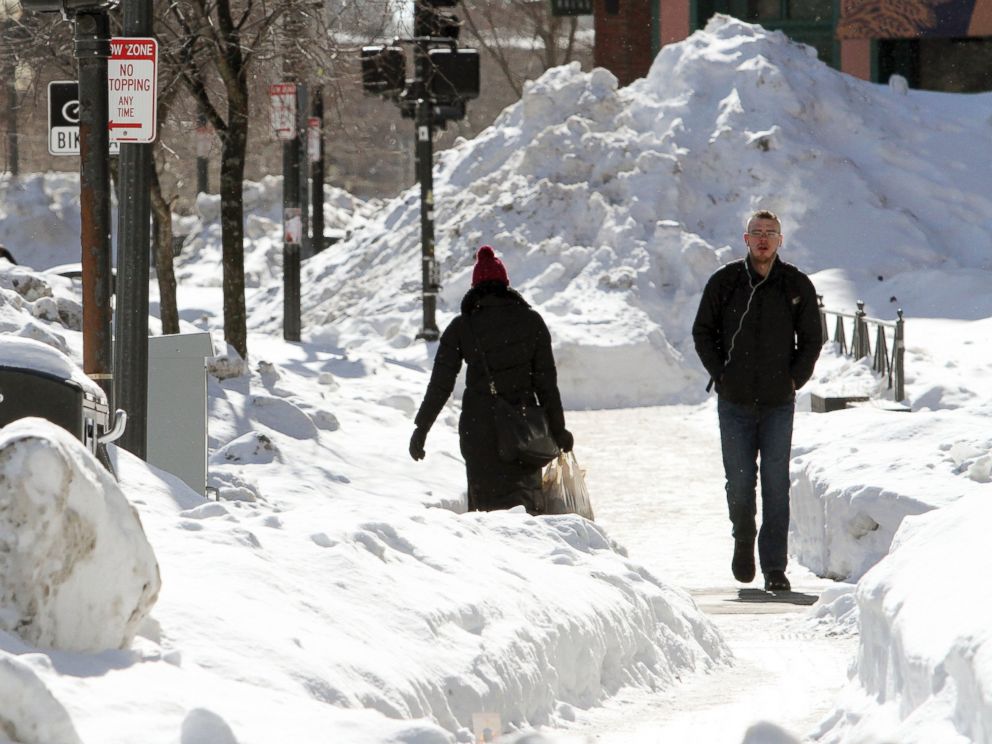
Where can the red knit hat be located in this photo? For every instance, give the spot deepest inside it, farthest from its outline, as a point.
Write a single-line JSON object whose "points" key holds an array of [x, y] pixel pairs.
{"points": [[488, 268]]}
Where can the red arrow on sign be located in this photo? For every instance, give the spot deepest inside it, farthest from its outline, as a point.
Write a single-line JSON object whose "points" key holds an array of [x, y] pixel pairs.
{"points": [[122, 125]]}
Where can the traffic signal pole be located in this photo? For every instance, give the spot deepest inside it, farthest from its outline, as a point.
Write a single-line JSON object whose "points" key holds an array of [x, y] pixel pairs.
{"points": [[424, 157], [425, 174], [92, 48], [444, 78]]}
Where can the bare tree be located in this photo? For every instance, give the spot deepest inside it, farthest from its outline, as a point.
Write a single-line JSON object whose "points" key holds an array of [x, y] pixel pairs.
{"points": [[225, 38], [507, 29]]}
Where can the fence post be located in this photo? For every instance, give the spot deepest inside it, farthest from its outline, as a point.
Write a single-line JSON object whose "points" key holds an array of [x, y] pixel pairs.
{"points": [[859, 344], [839, 337], [881, 363], [898, 350]]}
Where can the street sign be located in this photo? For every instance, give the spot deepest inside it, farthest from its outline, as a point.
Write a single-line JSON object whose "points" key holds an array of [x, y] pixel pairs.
{"points": [[283, 108], [313, 139], [132, 77], [63, 117]]}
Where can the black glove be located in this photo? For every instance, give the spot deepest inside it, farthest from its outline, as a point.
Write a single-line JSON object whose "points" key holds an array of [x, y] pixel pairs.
{"points": [[564, 440], [417, 443]]}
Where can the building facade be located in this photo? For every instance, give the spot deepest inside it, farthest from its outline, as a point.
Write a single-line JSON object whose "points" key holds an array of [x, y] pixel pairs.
{"points": [[935, 44]]}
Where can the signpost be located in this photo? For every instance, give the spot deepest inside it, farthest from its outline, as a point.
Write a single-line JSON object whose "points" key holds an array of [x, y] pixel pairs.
{"points": [[131, 84], [283, 99]]}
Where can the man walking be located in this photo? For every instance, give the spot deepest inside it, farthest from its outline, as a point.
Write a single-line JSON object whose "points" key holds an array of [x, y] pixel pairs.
{"points": [[757, 332]]}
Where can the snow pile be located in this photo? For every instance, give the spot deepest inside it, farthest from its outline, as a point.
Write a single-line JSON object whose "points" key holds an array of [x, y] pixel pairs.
{"points": [[478, 612], [39, 218], [924, 671], [612, 207], [76, 570], [849, 495], [30, 713], [343, 215], [30, 302]]}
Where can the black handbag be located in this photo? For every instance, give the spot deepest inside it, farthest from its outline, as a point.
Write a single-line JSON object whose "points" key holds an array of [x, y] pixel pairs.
{"points": [[522, 431]]}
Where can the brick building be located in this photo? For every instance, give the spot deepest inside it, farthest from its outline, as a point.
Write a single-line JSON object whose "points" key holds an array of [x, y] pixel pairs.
{"points": [[935, 44]]}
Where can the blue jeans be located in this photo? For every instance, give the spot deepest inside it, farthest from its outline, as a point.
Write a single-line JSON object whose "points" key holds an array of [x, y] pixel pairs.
{"points": [[746, 432]]}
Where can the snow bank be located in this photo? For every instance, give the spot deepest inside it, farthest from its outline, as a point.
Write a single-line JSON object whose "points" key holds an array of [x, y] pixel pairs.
{"points": [[39, 218], [30, 714], [343, 214], [855, 479], [38, 306], [924, 671], [76, 571], [473, 613]]}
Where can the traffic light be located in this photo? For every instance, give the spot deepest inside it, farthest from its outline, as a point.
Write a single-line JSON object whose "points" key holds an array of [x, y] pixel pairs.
{"points": [[383, 70], [429, 21], [453, 75]]}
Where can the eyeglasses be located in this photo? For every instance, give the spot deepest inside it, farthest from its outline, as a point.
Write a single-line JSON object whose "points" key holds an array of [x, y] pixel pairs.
{"points": [[758, 234]]}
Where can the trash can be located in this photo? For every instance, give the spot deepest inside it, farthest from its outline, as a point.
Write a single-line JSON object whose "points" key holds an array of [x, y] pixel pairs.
{"points": [[177, 406], [39, 380]]}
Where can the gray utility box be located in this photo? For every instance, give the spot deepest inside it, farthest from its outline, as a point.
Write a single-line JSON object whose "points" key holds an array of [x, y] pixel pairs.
{"points": [[177, 406], [31, 392]]}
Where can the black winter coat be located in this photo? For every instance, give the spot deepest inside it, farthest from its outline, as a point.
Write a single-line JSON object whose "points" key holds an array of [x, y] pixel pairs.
{"points": [[756, 355], [517, 347]]}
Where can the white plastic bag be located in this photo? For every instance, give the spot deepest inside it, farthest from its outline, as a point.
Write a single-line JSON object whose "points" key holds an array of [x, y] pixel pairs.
{"points": [[564, 488]]}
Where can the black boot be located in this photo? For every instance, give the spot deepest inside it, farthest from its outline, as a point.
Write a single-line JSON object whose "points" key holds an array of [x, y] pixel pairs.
{"points": [[777, 581], [743, 563]]}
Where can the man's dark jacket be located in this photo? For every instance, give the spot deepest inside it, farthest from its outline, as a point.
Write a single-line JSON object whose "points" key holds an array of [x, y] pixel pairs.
{"points": [[517, 347], [778, 342]]}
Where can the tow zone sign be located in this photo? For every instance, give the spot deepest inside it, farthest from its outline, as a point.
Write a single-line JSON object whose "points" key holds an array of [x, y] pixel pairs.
{"points": [[132, 74]]}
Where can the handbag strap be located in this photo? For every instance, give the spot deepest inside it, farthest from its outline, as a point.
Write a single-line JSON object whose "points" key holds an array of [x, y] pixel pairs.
{"points": [[482, 355]]}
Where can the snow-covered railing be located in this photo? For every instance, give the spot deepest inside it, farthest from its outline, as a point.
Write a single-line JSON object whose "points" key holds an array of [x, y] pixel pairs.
{"points": [[884, 362]]}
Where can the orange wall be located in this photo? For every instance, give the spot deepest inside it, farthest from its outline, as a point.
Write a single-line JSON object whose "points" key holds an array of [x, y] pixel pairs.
{"points": [[855, 57], [623, 41], [674, 16]]}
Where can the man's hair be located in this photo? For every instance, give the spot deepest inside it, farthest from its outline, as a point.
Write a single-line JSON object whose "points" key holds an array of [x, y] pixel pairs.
{"points": [[763, 214]]}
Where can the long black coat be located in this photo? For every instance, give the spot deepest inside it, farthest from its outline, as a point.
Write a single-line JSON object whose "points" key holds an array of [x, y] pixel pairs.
{"points": [[517, 347], [776, 345]]}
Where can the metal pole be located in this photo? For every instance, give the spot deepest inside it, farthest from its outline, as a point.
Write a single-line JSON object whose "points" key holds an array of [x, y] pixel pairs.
{"points": [[425, 173], [291, 245], [133, 251], [10, 83], [92, 48], [302, 107], [899, 351], [202, 160], [317, 183], [859, 344]]}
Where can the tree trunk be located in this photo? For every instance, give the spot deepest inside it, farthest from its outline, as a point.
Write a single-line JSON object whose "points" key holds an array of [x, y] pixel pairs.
{"points": [[232, 170], [162, 236]]}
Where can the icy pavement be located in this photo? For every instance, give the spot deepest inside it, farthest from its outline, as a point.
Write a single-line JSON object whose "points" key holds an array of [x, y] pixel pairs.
{"points": [[656, 480]]}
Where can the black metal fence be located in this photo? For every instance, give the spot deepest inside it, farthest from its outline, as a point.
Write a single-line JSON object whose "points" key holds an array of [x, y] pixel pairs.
{"points": [[886, 360]]}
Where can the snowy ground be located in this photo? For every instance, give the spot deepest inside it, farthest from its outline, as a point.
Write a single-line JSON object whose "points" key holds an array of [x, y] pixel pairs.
{"points": [[336, 592]]}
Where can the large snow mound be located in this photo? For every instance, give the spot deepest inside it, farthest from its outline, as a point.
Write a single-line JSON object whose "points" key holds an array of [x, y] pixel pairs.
{"points": [[611, 207], [76, 570]]}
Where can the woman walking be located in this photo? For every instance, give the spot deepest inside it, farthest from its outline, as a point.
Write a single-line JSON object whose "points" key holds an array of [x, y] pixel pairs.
{"points": [[499, 330]]}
